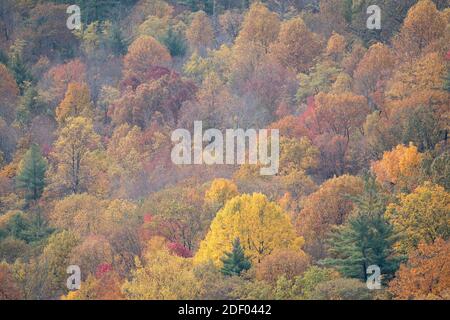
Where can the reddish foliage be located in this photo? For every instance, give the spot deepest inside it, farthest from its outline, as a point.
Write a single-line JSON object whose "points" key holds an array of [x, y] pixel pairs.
{"points": [[102, 269], [179, 250]]}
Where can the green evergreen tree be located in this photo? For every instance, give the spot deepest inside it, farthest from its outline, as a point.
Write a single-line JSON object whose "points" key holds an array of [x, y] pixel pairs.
{"points": [[3, 57], [31, 175], [30, 105], [175, 42], [365, 239], [116, 41], [20, 71], [235, 262], [29, 227], [348, 10]]}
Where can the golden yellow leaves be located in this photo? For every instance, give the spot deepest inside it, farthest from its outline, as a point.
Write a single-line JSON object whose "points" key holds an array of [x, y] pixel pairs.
{"points": [[260, 225], [423, 215], [399, 167]]}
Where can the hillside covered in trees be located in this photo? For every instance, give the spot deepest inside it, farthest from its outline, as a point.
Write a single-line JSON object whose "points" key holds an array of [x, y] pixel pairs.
{"points": [[86, 176]]}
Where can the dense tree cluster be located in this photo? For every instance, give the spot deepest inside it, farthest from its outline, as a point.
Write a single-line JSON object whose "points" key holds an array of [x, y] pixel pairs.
{"points": [[86, 176]]}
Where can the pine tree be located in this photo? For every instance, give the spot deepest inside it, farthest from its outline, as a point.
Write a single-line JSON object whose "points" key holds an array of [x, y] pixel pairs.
{"points": [[31, 175], [365, 239], [20, 71], [235, 262], [116, 41], [30, 105], [175, 42]]}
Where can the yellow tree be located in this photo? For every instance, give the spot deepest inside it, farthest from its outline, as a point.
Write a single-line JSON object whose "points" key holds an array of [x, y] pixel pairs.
{"points": [[51, 266], [426, 274], [297, 46], [261, 226], [76, 141], [162, 276], [143, 53], [399, 167], [200, 33], [76, 103], [220, 192], [423, 215]]}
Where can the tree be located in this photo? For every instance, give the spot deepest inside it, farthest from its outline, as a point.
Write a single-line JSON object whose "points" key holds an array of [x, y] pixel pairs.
{"points": [[8, 94], [426, 274], [94, 252], [200, 33], [17, 65], [57, 80], [30, 105], [144, 53], [231, 21], [52, 34], [376, 65], [159, 90], [366, 239], [440, 170], [163, 276], [341, 113], [29, 227], [8, 287], [259, 30], [341, 289], [77, 139], [235, 262], [105, 286], [332, 17], [127, 154], [51, 266], [336, 46], [220, 192], [178, 214], [319, 79], [260, 27], [85, 215], [76, 103], [81, 214], [284, 262], [312, 277], [175, 42], [297, 46], [115, 40], [421, 216], [399, 167], [328, 206], [261, 225], [31, 173], [423, 25]]}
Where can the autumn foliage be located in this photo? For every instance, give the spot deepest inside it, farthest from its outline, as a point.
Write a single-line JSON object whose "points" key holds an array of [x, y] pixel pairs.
{"points": [[87, 118]]}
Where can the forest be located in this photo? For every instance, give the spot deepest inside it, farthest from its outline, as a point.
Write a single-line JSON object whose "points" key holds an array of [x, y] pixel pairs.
{"points": [[358, 210]]}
